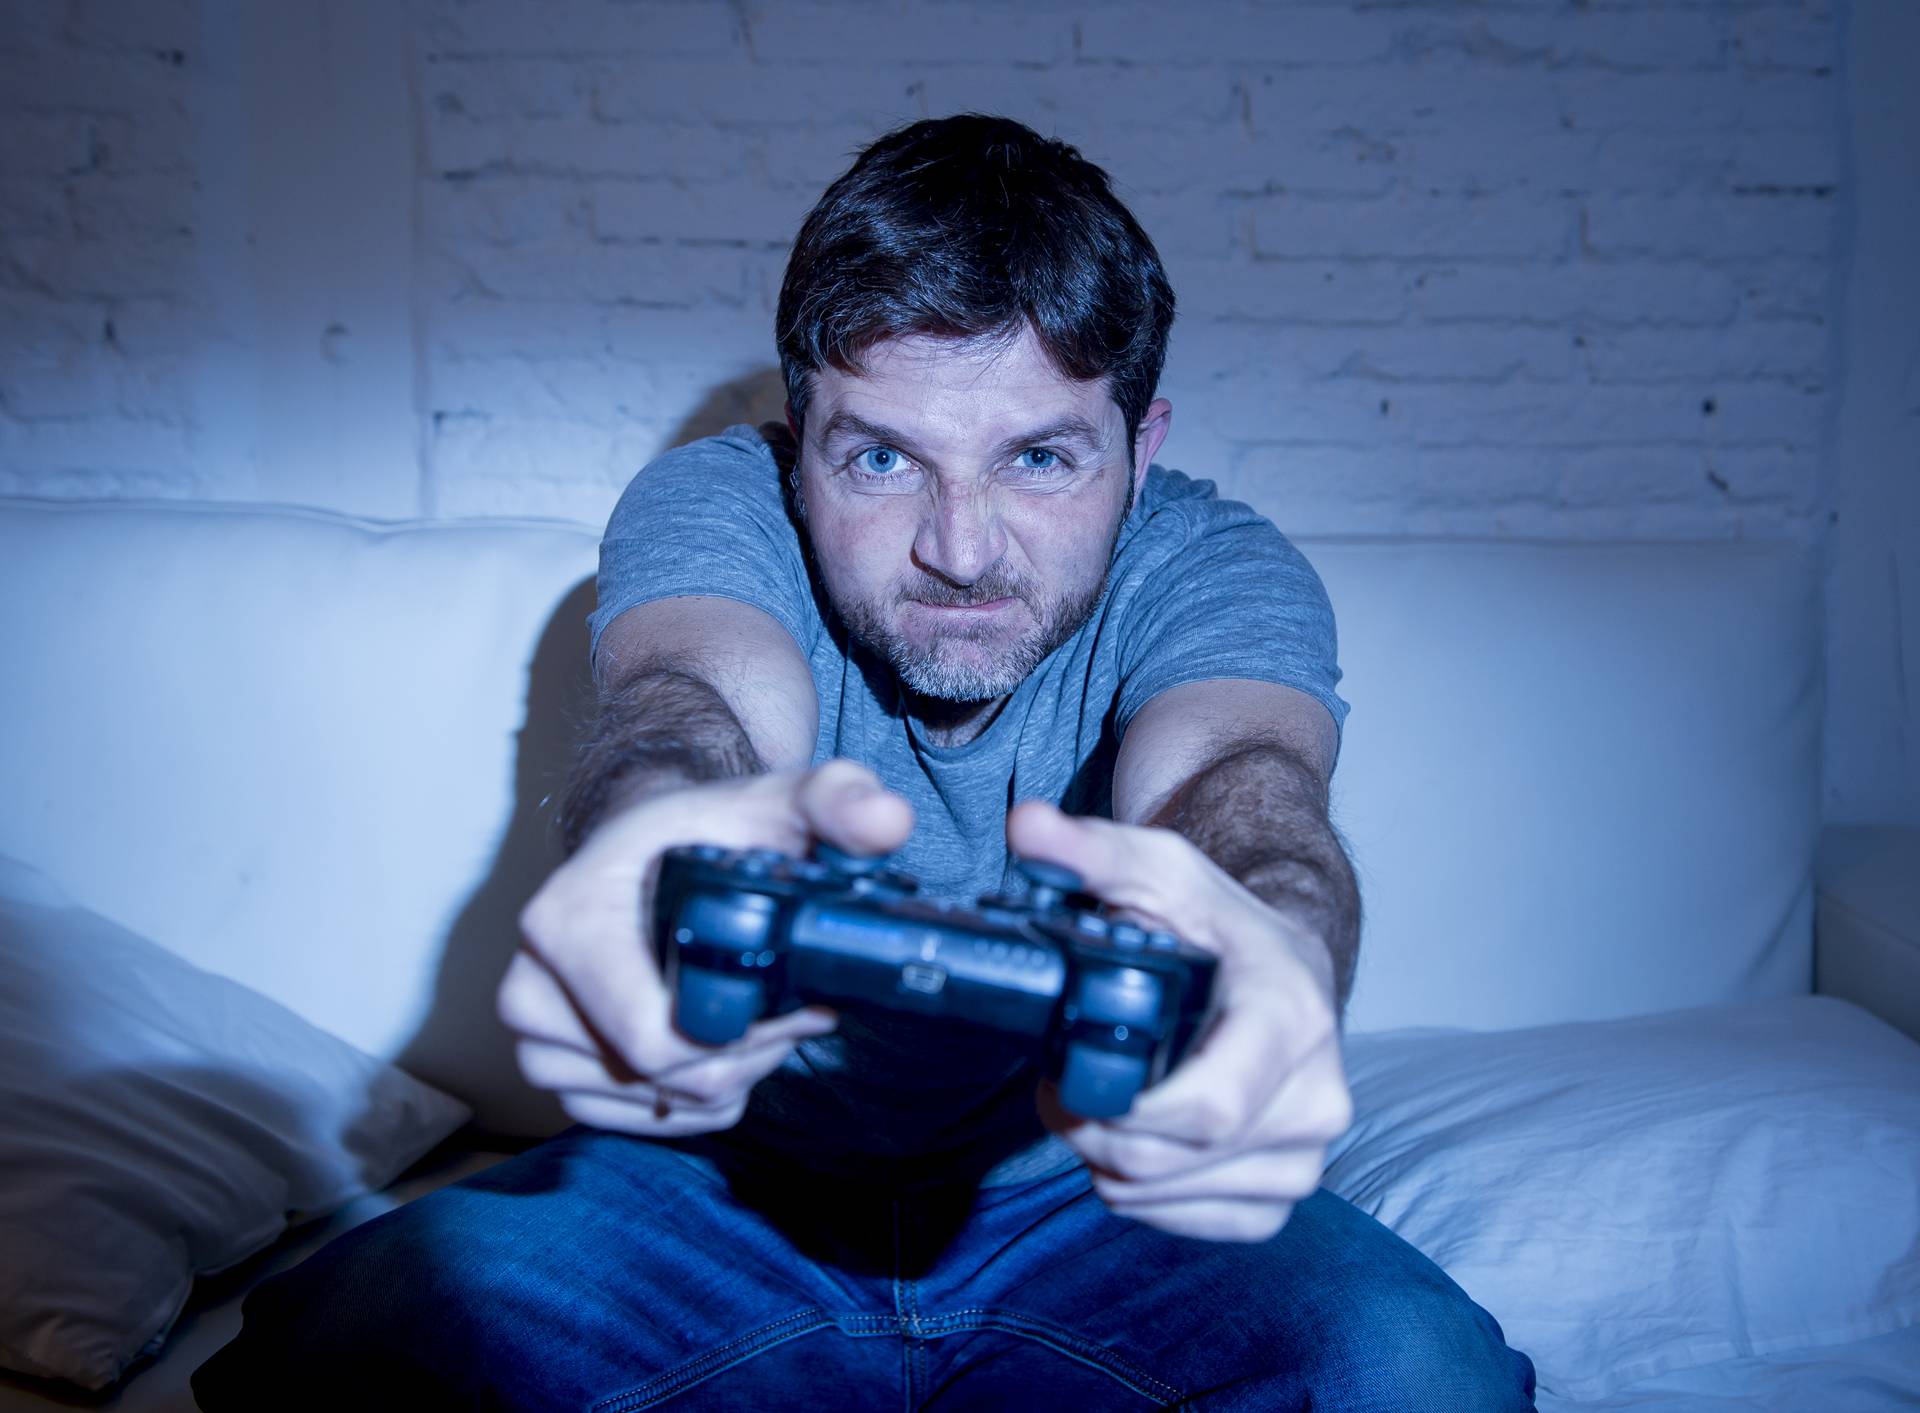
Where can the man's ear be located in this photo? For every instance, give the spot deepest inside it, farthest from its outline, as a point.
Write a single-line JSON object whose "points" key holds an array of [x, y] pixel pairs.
{"points": [[1147, 437]]}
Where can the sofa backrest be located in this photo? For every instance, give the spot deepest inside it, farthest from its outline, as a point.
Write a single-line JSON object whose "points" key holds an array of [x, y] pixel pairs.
{"points": [[310, 753]]}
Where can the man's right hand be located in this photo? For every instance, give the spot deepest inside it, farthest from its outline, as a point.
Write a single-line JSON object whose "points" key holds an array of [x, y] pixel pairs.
{"points": [[584, 996]]}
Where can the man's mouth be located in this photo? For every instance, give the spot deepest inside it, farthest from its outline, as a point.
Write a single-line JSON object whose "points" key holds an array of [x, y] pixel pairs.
{"points": [[986, 606]]}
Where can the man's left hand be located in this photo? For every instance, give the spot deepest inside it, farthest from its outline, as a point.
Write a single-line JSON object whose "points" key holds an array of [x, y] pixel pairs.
{"points": [[1237, 1133]]}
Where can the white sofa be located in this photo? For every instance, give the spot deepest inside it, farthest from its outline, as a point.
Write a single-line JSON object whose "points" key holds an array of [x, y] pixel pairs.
{"points": [[1580, 782]]}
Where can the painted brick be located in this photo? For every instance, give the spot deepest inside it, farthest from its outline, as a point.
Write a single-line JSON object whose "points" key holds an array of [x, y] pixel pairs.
{"points": [[501, 88], [73, 80], [1441, 268], [153, 266], [1456, 98], [59, 457], [1245, 33], [48, 144], [1092, 106], [1706, 226], [832, 34], [152, 24], [499, 208], [742, 210], [1715, 103], [1795, 350], [584, 148], [1417, 226], [667, 274], [1566, 291], [1794, 38], [582, 28], [1642, 38], [732, 95], [1322, 292]]}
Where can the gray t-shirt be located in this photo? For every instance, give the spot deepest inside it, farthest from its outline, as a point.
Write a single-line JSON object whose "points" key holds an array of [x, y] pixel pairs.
{"points": [[1199, 588]]}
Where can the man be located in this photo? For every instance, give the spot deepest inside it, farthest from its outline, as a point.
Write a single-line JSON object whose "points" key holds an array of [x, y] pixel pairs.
{"points": [[951, 611]]}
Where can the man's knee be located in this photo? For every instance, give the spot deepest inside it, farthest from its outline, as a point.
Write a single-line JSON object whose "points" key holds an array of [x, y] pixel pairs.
{"points": [[1417, 1347], [1364, 1321]]}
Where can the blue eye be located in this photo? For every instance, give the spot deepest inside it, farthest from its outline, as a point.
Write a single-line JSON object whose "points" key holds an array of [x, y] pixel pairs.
{"points": [[1052, 461], [886, 462]]}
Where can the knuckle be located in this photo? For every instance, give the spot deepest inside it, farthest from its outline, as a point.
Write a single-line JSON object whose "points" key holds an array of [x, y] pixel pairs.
{"points": [[512, 1003], [1217, 1120], [1339, 1116]]}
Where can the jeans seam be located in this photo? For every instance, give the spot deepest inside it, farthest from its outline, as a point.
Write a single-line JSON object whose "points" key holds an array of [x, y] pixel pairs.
{"points": [[713, 1361], [1057, 1338]]}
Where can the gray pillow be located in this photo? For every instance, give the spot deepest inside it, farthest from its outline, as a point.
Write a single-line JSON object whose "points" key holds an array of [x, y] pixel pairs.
{"points": [[158, 1122]]}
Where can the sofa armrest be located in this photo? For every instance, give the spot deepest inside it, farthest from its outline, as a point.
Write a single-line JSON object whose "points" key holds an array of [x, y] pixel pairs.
{"points": [[1867, 921]]}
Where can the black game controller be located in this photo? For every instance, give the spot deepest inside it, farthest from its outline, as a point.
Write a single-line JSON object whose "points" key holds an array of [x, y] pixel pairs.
{"points": [[1111, 1006]]}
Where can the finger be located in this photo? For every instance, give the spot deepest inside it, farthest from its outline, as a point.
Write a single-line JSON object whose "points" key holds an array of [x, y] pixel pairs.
{"points": [[1109, 1149], [587, 937], [713, 1086], [1154, 872], [532, 1004], [1268, 1029], [1270, 1175], [561, 1069], [845, 804], [649, 1119], [1214, 1221], [719, 1077]]}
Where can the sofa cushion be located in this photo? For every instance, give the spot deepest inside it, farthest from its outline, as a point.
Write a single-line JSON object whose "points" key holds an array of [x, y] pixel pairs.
{"points": [[160, 1123], [1635, 1196], [303, 751], [1579, 781]]}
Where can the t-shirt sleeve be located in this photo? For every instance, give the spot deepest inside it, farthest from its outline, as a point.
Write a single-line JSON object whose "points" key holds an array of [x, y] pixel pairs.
{"points": [[707, 518], [1230, 597]]}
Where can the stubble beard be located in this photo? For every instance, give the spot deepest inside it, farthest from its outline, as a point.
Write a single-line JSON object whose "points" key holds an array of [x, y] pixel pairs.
{"points": [[941, 668]]}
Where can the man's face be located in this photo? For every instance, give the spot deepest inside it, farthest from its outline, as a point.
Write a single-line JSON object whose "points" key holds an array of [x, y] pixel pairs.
{"points": [[963, 501]]}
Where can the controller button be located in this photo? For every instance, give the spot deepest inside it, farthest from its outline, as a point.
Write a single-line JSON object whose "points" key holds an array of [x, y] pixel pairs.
{"points": [[1050, 875], [1096, 1084], [928, 981], [708, 853], [1092, 924], [840, 861], [1163, 941], [1125, 934]]}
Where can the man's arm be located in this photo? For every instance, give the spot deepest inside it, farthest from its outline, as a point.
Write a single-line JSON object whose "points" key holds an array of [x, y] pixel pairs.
{"points": [[1241, 770], [691, 689]]}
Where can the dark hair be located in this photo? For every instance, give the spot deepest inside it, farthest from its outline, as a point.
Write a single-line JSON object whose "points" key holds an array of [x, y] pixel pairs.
{"points": [[967, 227]]}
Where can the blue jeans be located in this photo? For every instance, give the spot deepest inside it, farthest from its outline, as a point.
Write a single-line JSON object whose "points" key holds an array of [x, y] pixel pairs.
{"points": [[606, 1273]]}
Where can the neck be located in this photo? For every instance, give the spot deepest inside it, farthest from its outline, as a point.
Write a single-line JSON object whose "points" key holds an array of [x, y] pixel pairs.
{"points": [[948, 723]]}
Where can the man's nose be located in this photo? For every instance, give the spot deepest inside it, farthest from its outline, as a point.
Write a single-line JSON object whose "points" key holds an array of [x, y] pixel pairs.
{"points": [[960, 536]]}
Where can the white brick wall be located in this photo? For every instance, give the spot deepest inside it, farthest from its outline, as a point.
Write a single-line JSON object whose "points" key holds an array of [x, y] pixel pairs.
{"points": [[1520, 268]]}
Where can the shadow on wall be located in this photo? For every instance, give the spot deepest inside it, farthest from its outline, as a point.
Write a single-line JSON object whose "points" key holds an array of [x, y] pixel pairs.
{"points": [[755, 398], [460, 1046]]}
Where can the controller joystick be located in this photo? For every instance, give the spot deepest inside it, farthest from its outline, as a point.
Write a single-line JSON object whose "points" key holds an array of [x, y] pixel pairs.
{"points": [[1048, 884], [1106, 1007]]}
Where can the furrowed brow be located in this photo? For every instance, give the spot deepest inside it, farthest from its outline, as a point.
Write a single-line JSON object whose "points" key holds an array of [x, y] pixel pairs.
{"points": [[1072, 429], [848, 426]]}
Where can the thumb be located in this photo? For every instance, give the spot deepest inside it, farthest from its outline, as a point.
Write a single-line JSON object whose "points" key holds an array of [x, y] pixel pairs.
{"points": [[844, 803]]}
